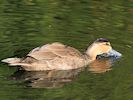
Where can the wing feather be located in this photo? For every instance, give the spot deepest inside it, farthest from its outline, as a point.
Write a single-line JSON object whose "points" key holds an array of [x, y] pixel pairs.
{"points": [[52, 51]]}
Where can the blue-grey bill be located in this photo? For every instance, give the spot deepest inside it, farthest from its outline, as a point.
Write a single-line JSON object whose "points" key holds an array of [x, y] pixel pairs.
{"points": [[112, 53]]}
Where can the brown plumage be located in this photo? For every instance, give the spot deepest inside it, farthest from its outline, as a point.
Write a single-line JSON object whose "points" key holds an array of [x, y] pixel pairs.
{"points": [[60, 57]]}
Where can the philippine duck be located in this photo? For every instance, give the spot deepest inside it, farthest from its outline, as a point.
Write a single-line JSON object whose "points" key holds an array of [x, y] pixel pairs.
{"points": [[57, 56]]}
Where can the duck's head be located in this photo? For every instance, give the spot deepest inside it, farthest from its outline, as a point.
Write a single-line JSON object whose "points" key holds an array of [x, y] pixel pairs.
{"points": [[101, 47]]}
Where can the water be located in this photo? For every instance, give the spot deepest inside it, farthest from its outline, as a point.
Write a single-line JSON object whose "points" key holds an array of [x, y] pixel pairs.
{"points": [[26, 24]]}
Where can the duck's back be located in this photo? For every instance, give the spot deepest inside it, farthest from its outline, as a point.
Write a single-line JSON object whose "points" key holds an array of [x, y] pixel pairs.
{"points": [[51, 51], [53, 56]]}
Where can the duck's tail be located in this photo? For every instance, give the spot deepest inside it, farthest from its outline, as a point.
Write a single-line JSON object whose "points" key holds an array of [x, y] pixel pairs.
{"points": [[11, 60], [15, 62]]}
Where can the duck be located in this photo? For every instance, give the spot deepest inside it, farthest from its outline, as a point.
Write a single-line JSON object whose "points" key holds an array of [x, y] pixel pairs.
{"points": [[57, 56]]}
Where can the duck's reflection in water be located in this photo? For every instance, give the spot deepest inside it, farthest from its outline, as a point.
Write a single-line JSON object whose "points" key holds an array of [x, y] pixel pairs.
{"points": [[101, 65], [57, 78], [46, 79]]}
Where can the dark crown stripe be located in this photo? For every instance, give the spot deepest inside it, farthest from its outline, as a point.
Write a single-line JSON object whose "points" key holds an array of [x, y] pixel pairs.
{"points": [[102, 40]]}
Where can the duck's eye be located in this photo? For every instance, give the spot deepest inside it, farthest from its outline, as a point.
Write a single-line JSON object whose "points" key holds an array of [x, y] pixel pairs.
{"points": [[107, 43]]}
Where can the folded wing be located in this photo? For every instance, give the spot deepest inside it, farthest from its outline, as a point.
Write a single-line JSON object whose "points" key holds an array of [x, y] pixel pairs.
{"points": [[52, 51]]}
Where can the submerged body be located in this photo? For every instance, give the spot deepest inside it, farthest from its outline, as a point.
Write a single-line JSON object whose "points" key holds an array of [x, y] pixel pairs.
{"points": [[60, 57]]}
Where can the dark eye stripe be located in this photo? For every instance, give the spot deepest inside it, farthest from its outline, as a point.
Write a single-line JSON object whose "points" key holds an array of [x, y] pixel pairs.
{"points": [[102, 40]]}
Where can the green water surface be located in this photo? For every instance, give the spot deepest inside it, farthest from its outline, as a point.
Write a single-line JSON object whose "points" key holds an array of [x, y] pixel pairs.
{"points": [[26, 24]]}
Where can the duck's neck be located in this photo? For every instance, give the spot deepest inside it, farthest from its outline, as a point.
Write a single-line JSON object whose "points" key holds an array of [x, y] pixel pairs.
{"points": [[87, 59], [91, 52]]}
